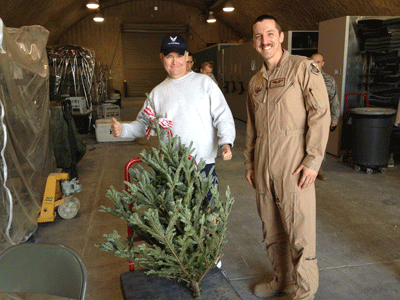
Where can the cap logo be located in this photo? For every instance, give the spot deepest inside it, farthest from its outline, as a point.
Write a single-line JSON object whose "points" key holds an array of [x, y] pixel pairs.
{"points": [[173, 41]]}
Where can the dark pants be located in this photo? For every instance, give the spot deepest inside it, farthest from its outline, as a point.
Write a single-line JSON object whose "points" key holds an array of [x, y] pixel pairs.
{"points": [[207, 170]]}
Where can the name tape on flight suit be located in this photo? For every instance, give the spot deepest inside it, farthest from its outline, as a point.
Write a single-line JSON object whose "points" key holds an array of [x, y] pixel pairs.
{"points": [[279, 82]]}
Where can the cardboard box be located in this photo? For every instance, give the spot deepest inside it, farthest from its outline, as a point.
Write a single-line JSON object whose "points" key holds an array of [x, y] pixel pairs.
{"points": [[103, 131]]}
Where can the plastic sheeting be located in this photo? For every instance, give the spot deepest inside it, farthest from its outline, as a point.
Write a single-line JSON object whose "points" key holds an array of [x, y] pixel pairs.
{"points": [[100, 83], [26, 151], [71, 73]]}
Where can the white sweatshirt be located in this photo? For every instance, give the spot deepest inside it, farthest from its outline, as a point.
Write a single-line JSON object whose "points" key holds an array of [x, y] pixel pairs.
{"points": [[198, 110]]}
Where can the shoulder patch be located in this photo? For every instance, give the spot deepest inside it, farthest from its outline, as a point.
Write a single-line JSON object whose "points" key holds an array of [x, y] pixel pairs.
{"points": [[258, 89], [257, 85], [314, 69]]}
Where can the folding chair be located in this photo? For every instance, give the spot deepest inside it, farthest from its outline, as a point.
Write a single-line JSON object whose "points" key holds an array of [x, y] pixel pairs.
{"points": [[43, 269]]}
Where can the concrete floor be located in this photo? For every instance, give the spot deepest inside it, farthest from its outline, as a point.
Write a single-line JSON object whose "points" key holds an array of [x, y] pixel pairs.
{"points": [[358, 224]]}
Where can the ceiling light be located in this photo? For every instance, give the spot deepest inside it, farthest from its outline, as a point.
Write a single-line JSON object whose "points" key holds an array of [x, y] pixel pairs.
{"points": [[228, 6], [211, 18], [98, 17], [93, 4]]}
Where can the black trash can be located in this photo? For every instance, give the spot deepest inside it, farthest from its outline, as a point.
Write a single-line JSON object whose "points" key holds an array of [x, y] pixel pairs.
{"points": [[371, 131]]}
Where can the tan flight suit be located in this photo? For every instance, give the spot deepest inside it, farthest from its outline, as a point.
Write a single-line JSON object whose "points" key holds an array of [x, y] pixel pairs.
{"points": [[288, 125]]}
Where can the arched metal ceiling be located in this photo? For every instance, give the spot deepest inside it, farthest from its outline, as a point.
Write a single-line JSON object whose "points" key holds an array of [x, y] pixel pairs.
{"points": [[59, 15]]}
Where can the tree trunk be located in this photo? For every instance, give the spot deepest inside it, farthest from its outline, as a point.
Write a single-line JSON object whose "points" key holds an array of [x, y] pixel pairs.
{"points": [[196, 289]]}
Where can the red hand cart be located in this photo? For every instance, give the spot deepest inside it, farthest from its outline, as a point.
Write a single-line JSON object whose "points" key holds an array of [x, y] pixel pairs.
{"points": [[347, 101], [128, 178]]}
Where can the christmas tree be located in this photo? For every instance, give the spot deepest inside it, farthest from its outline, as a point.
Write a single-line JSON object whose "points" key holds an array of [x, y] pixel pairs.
{"points": [[166, 208]]}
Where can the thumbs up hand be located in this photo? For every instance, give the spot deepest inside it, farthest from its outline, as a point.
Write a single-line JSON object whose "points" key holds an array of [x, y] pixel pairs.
{"points": [[116, 128]]}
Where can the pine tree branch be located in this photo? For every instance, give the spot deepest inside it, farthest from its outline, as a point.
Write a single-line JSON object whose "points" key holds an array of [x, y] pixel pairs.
{"points": [[168, 243]]}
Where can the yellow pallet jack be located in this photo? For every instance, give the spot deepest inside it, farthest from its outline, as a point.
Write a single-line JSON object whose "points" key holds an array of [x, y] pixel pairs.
{"points": [[59, 191], [59, 195]]}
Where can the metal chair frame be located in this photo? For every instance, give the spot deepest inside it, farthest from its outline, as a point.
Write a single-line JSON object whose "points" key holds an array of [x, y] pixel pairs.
{"points": [[43, 269]]}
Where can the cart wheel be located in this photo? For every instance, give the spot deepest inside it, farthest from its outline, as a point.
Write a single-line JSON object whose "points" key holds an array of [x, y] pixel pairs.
{"points": [[369, 171], [77, 202], [68, 209], [357, 168], [383, 170], [73, 199]]}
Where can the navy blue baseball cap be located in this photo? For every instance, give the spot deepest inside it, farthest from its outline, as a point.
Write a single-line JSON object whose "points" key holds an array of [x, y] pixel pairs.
{"points": [[173, 43]]}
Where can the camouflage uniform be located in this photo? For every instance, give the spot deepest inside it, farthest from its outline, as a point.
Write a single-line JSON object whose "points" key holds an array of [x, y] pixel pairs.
{"points": [[333, 96]]}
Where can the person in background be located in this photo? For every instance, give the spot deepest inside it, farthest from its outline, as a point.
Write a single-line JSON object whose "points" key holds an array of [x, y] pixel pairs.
{"points": [[194, 104], [333, 100], [190, 62], [207, 69], [286, 135]]}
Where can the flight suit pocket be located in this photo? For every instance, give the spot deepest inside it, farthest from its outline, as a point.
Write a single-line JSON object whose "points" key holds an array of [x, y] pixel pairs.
{"points": [[294, 204], [311, 99], [257, 105], [258, 166], [285, 92], [302, 231], [296, 234]]}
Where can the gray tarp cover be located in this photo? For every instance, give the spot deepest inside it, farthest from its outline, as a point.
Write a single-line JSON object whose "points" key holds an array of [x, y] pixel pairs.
{"points": [[26, 153]]}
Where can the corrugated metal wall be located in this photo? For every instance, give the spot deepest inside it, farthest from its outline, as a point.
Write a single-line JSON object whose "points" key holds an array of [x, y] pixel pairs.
{"points": [[143, 69]]}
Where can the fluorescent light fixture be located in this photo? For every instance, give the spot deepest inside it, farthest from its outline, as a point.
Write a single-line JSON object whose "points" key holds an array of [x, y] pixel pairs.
{"points": [[98, 17], [228, 6], [93, 4], [211, 18]]}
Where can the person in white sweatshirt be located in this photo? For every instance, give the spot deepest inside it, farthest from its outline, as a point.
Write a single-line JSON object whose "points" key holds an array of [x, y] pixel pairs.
{"points": [[193, 102]]}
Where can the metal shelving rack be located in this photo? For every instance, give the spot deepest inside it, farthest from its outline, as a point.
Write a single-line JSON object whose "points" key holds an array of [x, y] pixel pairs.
{"points": [[302, 42]]}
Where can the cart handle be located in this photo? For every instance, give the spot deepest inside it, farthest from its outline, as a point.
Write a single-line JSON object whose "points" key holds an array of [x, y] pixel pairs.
{"points": [[128, 178], [127, 167], [347, 101]]}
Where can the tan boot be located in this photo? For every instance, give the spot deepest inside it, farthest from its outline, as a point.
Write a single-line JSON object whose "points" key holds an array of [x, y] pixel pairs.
{"points": [[272, 288], [321, 175]]}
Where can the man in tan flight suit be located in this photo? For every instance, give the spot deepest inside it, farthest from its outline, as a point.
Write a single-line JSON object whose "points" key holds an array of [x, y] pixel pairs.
{"points": [[287, 132]]}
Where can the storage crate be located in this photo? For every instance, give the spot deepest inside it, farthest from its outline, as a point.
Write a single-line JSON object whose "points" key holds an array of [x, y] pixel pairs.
{"points": [[103, 131], [99, 112], [78, 104], [106, 110]]}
